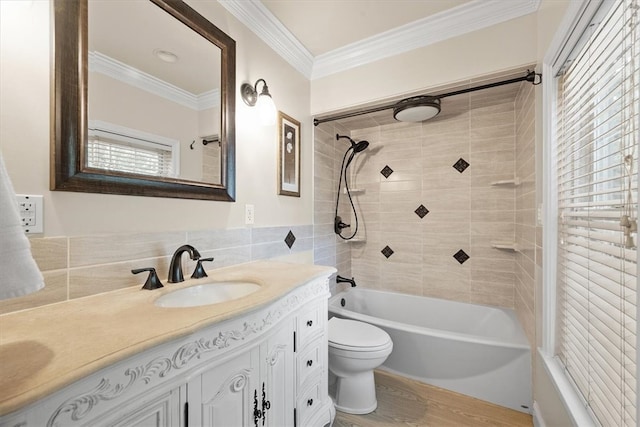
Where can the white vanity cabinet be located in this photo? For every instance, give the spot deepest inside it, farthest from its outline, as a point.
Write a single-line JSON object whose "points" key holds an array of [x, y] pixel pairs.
{"points": [[266, 367]]}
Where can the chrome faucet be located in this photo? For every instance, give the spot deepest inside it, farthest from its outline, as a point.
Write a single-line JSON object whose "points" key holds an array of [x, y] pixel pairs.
{"points": [[175, 268]]}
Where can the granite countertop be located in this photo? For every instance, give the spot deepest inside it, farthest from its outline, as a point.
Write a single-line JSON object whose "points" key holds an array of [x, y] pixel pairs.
{"points": [[46, 348]]}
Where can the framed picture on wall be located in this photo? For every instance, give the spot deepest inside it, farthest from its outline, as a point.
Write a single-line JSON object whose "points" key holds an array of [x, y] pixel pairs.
{"points": [[288, 155]]}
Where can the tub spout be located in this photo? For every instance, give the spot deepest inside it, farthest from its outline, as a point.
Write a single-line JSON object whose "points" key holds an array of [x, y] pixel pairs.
{"points": [[340, 279]]}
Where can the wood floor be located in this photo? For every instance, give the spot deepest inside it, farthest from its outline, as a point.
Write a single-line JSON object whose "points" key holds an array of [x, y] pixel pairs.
{"points": [[405, 402]]}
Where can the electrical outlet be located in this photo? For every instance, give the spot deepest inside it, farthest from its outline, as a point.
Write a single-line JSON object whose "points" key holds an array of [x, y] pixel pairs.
{"points": [[31, 213], [249, 214]]}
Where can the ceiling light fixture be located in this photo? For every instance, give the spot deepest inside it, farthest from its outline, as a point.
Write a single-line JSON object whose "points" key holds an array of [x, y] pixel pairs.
{"points": [[266, 107], [165, 55], [416, 109]]}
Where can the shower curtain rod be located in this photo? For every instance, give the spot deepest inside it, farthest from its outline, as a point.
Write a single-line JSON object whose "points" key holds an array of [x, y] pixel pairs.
{"points": [[531, 76]]}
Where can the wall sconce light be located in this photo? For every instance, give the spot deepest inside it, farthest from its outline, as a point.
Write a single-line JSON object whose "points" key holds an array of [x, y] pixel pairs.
{"points": [[266, 107]]}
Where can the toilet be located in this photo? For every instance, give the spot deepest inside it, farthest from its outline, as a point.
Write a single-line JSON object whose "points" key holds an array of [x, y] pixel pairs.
{"points": [[355, 350]]}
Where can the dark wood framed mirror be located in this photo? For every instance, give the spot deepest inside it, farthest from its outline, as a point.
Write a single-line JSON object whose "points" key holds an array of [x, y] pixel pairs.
{"points": [[70, 168]]}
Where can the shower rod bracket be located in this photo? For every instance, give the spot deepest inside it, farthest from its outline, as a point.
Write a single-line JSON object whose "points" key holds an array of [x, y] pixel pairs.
{"points": [[531, 77]]}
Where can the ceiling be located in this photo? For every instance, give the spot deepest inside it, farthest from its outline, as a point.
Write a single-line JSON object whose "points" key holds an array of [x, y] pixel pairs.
{"points": [[326, 25]]}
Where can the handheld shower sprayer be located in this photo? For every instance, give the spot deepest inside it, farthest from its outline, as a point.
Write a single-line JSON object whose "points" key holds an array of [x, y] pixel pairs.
{"points": [[356, 147]]}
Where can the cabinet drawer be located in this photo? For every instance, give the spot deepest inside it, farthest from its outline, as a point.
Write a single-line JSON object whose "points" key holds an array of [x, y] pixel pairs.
{"points": [[310, 322], [307, 403], [310, 361]]}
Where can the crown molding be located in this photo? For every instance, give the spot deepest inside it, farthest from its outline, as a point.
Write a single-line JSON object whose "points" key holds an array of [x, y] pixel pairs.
{"points": [[460, 20], [103, 64], [267, 27], [473, 16], [208, 100]]}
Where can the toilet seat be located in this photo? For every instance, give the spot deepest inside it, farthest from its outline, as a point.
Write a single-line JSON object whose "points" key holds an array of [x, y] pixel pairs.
{"points": [[352, 335]]}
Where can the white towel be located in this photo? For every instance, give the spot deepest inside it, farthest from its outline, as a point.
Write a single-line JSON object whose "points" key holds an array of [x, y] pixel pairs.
{"points": [[19, 274]]}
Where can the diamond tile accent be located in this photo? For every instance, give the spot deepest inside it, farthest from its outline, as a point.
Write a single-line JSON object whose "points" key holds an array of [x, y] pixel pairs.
{"points": [[421, 211], [461, 165], [461, 256], [290, 239], [386, 171], [387, 251]]}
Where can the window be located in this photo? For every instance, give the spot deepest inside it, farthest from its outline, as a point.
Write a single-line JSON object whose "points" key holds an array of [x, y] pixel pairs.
{"points": [[597, 188], [116, 148]]}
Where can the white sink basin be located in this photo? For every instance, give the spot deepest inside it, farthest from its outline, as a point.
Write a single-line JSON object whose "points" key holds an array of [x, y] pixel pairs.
{"points": [[208, 293]]}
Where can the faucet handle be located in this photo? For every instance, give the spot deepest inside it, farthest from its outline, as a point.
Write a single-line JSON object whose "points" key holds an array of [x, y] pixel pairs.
{"points": [[199, 272], [153, 282]]}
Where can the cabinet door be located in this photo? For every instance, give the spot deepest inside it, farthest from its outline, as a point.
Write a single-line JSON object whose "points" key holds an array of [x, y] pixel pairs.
{"points": [[278, 377], [164, 409], [226, 396]]}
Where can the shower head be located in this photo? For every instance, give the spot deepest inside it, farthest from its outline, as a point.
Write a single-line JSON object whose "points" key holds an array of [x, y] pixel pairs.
{"points": [[359, 146], [356, 146]]}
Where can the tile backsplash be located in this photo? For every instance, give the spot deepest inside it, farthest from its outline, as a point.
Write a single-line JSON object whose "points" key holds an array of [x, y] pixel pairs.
{"points": [[75, 267]]}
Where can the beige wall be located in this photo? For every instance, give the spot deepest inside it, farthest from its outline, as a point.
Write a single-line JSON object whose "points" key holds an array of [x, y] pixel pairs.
{"points": [[497, 48], [24, 138]]}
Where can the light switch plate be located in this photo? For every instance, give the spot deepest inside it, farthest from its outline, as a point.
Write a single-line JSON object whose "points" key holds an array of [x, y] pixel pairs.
{"points": [[31, 213]]}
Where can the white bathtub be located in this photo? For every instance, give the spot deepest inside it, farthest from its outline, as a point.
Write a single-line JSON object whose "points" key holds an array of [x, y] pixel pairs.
{"points": [[477, 350]]}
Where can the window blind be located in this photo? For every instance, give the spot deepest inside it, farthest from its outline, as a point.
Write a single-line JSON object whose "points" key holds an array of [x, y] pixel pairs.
{"points": [[597, 155], [116, 152]]}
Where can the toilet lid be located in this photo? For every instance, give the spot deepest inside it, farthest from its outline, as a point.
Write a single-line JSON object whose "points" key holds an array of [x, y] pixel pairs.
{"points": [[354, 334]]}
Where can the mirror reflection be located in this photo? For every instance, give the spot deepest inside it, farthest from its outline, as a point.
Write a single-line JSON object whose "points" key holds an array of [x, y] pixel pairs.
{"points": [[153, 94]]}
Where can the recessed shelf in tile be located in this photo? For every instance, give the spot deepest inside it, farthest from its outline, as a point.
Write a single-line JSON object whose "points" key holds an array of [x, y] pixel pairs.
{"points": [[515, 182], [510, 246], [354, 190], [356, 240]]}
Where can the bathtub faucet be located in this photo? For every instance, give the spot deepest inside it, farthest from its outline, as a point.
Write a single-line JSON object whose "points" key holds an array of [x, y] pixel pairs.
{"points": [[340, 279]]}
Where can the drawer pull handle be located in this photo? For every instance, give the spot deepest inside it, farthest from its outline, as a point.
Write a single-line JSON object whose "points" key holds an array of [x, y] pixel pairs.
{"points": [[309, 402], [309, 362], [309, 323]]}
